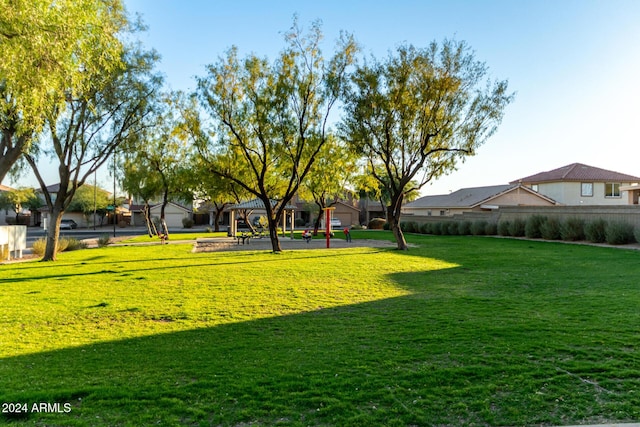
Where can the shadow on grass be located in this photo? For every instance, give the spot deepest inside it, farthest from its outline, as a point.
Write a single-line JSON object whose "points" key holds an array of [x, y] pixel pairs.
{"points": [[453, 352], [497, 341]]}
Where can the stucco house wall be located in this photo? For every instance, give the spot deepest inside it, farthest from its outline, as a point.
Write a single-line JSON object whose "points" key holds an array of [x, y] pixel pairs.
{"points": [[565, 185]]}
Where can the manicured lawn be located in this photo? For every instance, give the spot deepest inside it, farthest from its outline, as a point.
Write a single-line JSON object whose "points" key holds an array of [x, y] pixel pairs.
{"points": [[460, 331]]}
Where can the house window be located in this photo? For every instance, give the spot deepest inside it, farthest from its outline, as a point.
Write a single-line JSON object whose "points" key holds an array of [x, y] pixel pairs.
{"points": [[586, 189], [443, 213], [611, 189], [429, 212], [534, 187]]}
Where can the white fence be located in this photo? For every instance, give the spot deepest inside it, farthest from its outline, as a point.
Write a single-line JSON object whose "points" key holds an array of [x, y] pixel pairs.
{"points": [[13, 240]]}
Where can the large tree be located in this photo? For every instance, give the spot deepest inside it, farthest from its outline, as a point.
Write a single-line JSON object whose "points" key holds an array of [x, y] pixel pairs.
{"points": [[158, 168], [95, 121], [273, 116], [417, 113], [331, 177], [19, 199], [50, 50]]}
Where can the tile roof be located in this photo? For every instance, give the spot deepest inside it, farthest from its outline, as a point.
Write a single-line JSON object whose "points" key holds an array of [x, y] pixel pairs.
{"points": [[577, 172], [463, 198]]}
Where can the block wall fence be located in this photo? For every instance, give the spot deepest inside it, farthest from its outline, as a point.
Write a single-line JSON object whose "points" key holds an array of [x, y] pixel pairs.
{"points": [[628, 213]]}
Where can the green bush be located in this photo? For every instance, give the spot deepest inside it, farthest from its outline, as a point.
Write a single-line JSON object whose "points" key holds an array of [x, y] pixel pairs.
{"points": [[409, 227], [619, 233], [491, 229], [40, 245], [532, 226], [464, 228], [104, 240], [572, 229], [595, 231], [516, 228], [436, 228], [503, 228], [377, 224], [550, 229], [478, 228], [425, 228], [187, 223], [75, 244], [636, 234], [452, 228]]}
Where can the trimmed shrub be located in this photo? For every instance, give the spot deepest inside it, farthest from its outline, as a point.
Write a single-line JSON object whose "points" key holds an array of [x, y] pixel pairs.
{"points": [[377, 224], [503, 228], [636, 234], [619, 233], [436, 228], [595, 231], [491, 229], [516, 228], [411, 227], [452, 228], [187, 223], [464, 228], [532, 226], [550, 229], [572, 229], [425, 228], [478, 228]]}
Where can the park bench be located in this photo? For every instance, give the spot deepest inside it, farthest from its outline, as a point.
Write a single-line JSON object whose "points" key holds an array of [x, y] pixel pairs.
{"points": [[245, 237]]}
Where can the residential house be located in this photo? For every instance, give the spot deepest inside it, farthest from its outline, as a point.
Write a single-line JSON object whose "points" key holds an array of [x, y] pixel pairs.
{"points": [[578, 184], [476, 199]]}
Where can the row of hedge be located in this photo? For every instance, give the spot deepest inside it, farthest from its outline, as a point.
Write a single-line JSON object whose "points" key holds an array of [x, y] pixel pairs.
{"points": [[535, 227]]}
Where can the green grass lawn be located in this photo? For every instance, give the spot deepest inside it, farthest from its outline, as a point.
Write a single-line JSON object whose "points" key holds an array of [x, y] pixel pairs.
{"points": [[459, 331]]}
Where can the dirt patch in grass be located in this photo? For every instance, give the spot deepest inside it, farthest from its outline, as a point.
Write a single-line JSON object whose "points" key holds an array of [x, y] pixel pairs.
{"points": [[230, 244]]}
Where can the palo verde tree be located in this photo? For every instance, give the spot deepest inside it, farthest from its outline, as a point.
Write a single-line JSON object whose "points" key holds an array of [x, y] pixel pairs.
{"points": [[331, 176], [273, 116], [417, 113], [19, 199], [156, 168], [49, 48], [91, 200], [95, 121]]}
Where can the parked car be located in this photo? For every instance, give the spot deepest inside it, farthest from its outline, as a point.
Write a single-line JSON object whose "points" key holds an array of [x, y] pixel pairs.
{"points": [[335, 222], [68, 224]]}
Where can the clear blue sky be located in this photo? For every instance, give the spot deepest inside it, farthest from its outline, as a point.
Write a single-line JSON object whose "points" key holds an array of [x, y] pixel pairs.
{"points": [[574, 65]]}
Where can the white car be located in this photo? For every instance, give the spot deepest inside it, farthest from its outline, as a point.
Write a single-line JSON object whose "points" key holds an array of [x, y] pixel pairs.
{"points": [[335, 223]]}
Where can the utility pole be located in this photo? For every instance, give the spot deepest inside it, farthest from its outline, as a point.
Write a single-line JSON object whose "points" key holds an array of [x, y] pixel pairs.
{"points": [[114, 194]]}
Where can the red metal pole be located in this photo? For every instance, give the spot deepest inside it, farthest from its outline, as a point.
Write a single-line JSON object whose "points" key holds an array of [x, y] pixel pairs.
{"points": [[327, 223]]}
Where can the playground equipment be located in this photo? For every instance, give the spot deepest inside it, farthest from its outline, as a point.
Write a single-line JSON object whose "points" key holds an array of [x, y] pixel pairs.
{"points": [[163, 234]]}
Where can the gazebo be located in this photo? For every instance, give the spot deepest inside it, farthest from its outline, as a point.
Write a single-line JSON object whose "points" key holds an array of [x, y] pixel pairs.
{"points": [[257, 204]]}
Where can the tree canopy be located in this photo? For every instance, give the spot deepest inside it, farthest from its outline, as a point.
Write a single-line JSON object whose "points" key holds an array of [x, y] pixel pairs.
{"points": [[51, 50], [273, 116], [414, 115]]}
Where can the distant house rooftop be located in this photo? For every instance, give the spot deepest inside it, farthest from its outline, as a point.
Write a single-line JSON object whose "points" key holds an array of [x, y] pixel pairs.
{"points": [[469, 197], [577, 172]]}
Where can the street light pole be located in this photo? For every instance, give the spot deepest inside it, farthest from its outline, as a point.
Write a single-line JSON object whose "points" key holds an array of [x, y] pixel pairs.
{"points": [[114, 193]]}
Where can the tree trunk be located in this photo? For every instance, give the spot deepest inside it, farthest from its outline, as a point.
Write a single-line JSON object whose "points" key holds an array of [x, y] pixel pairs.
{"points": [[316, 225], [393, 218], [273, 222], [53, 234], [216, 220]]}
